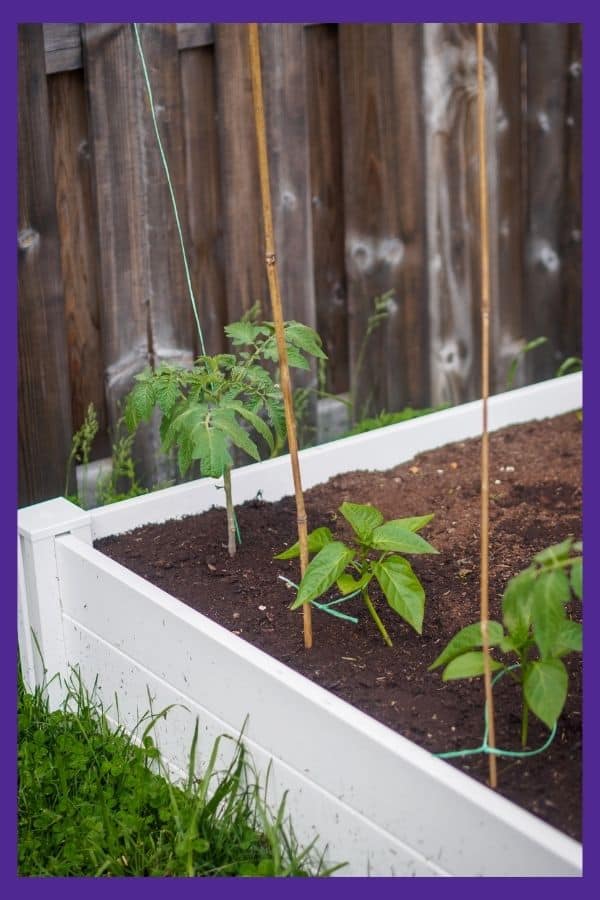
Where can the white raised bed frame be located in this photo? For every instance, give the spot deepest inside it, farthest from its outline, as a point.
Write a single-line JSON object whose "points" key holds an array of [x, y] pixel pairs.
{"points": [[380, 802]]}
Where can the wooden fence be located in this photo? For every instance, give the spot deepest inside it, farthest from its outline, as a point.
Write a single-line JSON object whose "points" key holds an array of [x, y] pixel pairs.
{"points": [[372, 139]]}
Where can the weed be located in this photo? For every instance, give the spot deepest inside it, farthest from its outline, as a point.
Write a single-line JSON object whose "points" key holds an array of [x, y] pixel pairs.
{"points": [[81, 448], [91, 803]]}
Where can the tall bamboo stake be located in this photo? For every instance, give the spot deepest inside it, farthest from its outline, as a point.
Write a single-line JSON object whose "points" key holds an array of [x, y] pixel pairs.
{"points": [[272, 275], [485, 389]]}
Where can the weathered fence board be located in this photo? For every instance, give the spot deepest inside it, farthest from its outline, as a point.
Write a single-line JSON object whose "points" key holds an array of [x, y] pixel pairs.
{"points": [[374, 179], [383, 209], [78, 244], [325, 129], [146, 314], [547, 65], [44, 396], [203, 189]]}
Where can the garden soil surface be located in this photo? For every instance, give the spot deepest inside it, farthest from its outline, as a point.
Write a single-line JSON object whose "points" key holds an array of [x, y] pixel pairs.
{"points": [[535, 501]]}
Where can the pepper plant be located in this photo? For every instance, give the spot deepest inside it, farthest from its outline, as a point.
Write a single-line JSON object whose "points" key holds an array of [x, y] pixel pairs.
{"points": [[225, 400], [535, 634], [373, 554]]}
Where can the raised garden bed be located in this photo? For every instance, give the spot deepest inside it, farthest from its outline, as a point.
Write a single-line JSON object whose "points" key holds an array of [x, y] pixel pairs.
{"points": [[381, 801]]}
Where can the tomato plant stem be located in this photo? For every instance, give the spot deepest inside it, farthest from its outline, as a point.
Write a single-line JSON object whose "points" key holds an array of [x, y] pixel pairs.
{"points": [[230, 512]]}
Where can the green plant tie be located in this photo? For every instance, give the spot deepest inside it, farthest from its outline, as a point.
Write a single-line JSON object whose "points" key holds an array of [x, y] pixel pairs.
{"points": [[326, 607], [170, 184], [485, 747]]}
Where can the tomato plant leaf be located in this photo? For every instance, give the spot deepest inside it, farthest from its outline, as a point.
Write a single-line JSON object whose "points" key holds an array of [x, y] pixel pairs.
{"points": [[545, 688], [402, 589], [466, 639], [316, 541], [468, 665], [323, 571], [225, 421], [392, 536], [304, 338], [363, 518]]}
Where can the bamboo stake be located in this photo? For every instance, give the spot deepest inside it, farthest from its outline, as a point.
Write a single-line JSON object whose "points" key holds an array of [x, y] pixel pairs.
{"points": [[485, 389], [272, 275]]}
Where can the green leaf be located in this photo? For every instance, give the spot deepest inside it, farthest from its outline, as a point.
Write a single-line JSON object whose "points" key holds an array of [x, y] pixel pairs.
{"points": [[225, 421], [317, 539], [413, 523], [295, 358], [468, 665], [556, 553], [243, 332], [305, 338], [184, 455], [569, 638], [402, 589], [255, 420], [209, 445], [577, 578], [545, 688], [516, 605], [550, 592], [323, 571], [141, 401], [347, 584], [167, 392], [363, 518], [392, 536], [466, 639]]}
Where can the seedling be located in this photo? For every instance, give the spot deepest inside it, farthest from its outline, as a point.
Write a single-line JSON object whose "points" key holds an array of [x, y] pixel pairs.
{"points": [[372, 554], [536, 630], [206, 410]]}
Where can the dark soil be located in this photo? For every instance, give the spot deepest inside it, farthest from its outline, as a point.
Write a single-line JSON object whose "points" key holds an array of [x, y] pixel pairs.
{"points": [[535, 488]]}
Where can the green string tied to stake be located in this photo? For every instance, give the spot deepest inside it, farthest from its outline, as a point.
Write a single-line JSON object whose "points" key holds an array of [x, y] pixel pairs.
{"points": [[495, 751], [165, 165]]}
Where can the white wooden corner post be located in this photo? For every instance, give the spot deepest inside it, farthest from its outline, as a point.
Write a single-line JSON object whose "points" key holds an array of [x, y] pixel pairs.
{"points": [[40, 618]]}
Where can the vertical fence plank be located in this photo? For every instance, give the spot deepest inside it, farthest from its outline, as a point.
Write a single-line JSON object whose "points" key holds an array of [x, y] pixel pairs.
{"points": [[284, 82], [453, 206], [508, 322], [146, 315], [44, 401], [383, 184], [325, 129], [203, 190], [245, 276], [547, 63], [78, 244], [571, 305]]}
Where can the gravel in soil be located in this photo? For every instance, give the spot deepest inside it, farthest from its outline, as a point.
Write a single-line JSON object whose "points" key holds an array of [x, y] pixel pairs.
{"points": [[535, 501]]}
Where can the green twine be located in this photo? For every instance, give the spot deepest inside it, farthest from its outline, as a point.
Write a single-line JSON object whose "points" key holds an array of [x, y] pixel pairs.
{"points": [[326, 607], [170, 184], [495, 751]]}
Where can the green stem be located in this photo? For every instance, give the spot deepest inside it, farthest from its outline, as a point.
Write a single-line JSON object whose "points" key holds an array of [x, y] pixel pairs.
{"points": [[376, 619], [230, 512]]}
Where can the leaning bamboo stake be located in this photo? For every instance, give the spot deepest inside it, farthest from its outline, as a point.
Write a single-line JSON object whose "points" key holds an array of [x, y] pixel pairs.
{"points": [[272, 275], [485, 389]]}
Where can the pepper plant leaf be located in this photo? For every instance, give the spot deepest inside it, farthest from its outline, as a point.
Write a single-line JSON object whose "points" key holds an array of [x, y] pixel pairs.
{"points": [[467, 639], [347, 584], [516, 605], [392, 536], [555, 553], [412, 523], [402, 589], [323, 571], [550, 591], [545, 688], [569, 638], [468, 665], [316, 541], [363, 518], [577, 578]]}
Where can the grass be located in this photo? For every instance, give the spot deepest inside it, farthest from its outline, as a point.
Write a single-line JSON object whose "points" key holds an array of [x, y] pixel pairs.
{"points": [[92, 804]]}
